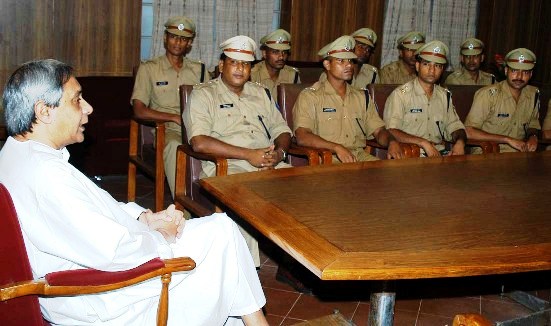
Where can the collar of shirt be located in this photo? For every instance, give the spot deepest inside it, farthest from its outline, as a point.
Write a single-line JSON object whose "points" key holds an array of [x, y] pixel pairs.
{"points": [[222, 89], [328, 88], [166, 65]]}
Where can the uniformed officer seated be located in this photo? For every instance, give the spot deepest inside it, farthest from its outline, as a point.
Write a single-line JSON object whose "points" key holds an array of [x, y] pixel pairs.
{"points": [[403, 70], [471, 57], [335, 116], [236, 119], [155, 94], [364, 73], [273, 69], [508, 112], [421, 112]]}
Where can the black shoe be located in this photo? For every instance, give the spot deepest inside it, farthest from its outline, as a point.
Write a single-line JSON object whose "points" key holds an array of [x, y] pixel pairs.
{"points": [[283, 275]]}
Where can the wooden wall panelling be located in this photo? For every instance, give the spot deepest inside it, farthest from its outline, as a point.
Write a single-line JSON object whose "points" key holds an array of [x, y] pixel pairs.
{"points": [[314, 23]]}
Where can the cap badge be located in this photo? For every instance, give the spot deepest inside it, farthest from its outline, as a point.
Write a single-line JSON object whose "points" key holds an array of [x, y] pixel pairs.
{"points": [[471, 46], [348, 46], [181, 27], [521, 58], [436, 49], [243, 46], [279, 40], [415, 40]]}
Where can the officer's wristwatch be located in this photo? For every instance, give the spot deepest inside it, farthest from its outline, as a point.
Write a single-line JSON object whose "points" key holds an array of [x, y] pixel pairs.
{"points": [[284, 153]]}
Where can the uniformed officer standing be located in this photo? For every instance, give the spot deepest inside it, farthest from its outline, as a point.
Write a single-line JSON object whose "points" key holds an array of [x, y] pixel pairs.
{"points": [[236, 119], [403, 70], [273, 70], [508, 112], [421, 112], [335, 116], [471, 57], [156, 89]]}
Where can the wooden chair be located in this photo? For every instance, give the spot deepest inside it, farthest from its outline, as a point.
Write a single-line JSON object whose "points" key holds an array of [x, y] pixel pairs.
{"points": [[187, 191], [145, 152], [287, 95], [19, 292]]}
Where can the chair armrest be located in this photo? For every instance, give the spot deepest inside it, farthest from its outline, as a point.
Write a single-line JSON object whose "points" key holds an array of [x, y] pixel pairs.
{"points": [[486, 146], [149, 122], [312, 154], [87, 281], [220, 162], [407, 149]]}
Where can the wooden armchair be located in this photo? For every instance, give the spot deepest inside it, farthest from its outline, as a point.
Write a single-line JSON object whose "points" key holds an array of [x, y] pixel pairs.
{"points": [[19, 292], [188, 194]]}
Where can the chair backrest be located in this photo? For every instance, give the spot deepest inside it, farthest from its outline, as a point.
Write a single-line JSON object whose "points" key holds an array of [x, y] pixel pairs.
{"points": [[15, 267], [193, 170], [287, 95], [462, 96], [380, 93]]}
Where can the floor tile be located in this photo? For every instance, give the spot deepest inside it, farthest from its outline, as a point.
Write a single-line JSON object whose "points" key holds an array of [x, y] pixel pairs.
{"points": [[433, 320], [494, 310], [274, 320], [449, 307], [279, 302], [311, 307]]}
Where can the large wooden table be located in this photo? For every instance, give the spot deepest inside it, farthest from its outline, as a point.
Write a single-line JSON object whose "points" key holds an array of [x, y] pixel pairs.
{"points": [[403, 219]]}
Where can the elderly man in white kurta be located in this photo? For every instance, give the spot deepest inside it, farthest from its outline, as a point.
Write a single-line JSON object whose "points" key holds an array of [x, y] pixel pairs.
{"points": [[70, 223]]}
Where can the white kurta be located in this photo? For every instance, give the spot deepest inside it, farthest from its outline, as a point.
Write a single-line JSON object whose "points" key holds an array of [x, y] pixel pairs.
{"points": [[70, 223]]}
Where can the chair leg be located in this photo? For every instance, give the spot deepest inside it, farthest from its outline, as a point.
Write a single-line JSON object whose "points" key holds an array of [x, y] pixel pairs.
{"points": [[162, 309]]}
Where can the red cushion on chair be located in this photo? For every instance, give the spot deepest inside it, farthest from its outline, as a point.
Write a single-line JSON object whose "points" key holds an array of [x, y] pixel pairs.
{"points": [[81, 277], [15, 267]]}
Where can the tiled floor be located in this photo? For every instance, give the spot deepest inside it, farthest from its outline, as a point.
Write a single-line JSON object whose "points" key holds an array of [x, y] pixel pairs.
{"points": [[418, 302]]}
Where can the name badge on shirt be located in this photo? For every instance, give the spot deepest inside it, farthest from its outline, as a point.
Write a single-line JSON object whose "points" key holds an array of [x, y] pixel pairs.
{"points": [[329, 110], [162, 83], [416, 110], [503, 115], [227, 105]]}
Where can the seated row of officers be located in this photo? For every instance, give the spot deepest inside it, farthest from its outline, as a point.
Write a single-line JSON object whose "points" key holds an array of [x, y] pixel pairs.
{"points": [[232, 117]]}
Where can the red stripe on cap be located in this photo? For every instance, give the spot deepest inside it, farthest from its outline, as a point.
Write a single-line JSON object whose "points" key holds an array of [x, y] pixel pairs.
{"points": [[521, 61], [274, 42], [185, 29], [434, 54], [363, 37], [474, 48], [338, 51], [238, 50]]}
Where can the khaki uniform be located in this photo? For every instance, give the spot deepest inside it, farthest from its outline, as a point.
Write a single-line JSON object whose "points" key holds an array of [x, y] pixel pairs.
{"points": [[395, 73], [367, 75], [495, 111], [259, 74], [409, 109], [217, 112], [157, 86], [346, 122], [462, 77]]}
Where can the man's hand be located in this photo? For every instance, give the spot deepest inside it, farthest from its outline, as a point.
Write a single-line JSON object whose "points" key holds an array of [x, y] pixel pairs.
{"points": [[263, 158], [170, 222], [458, 148], [532, 143], [430, 149], [517, 144], [344, 154], [394, 150]]}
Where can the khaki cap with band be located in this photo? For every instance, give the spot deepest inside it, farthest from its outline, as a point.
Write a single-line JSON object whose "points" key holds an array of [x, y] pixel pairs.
{"points": [[342, 48], [279, 39], [180, 25], [521, 59], [434, 51], [239, 47], [472, 46], [412, 40], [366, 36]]}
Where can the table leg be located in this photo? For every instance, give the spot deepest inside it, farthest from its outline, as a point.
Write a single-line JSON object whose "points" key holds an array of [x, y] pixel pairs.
{"points": [[381, 310]]}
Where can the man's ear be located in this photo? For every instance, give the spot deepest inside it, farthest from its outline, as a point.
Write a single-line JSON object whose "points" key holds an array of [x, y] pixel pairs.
{"points": [[263, 54], [326, 64], [43, 112], [220, 65], [417, 66]]}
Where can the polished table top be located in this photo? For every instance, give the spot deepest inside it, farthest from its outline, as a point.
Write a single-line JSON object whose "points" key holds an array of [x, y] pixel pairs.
{"points": [[403, 219]]}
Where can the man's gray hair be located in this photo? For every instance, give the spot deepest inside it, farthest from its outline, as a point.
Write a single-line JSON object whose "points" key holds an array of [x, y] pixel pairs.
{"points": [[34, 81]]}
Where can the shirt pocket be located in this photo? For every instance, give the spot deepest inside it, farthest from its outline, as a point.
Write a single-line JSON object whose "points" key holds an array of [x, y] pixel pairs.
{"points": [[165, 95], [328, 123], [412, 118], [227, 119]]}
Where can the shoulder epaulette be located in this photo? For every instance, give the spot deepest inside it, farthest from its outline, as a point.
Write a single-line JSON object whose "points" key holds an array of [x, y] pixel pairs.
{"points": [[492, 91], [404, 88]]}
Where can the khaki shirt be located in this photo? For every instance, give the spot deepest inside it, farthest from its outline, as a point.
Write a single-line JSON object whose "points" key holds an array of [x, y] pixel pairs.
{"points": [[346, 122], [367, 75], [395, 73], [217, 112], [495, 111], [259, 74], [157, 84], [547, 121], [462, 77], [409, 109]]}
